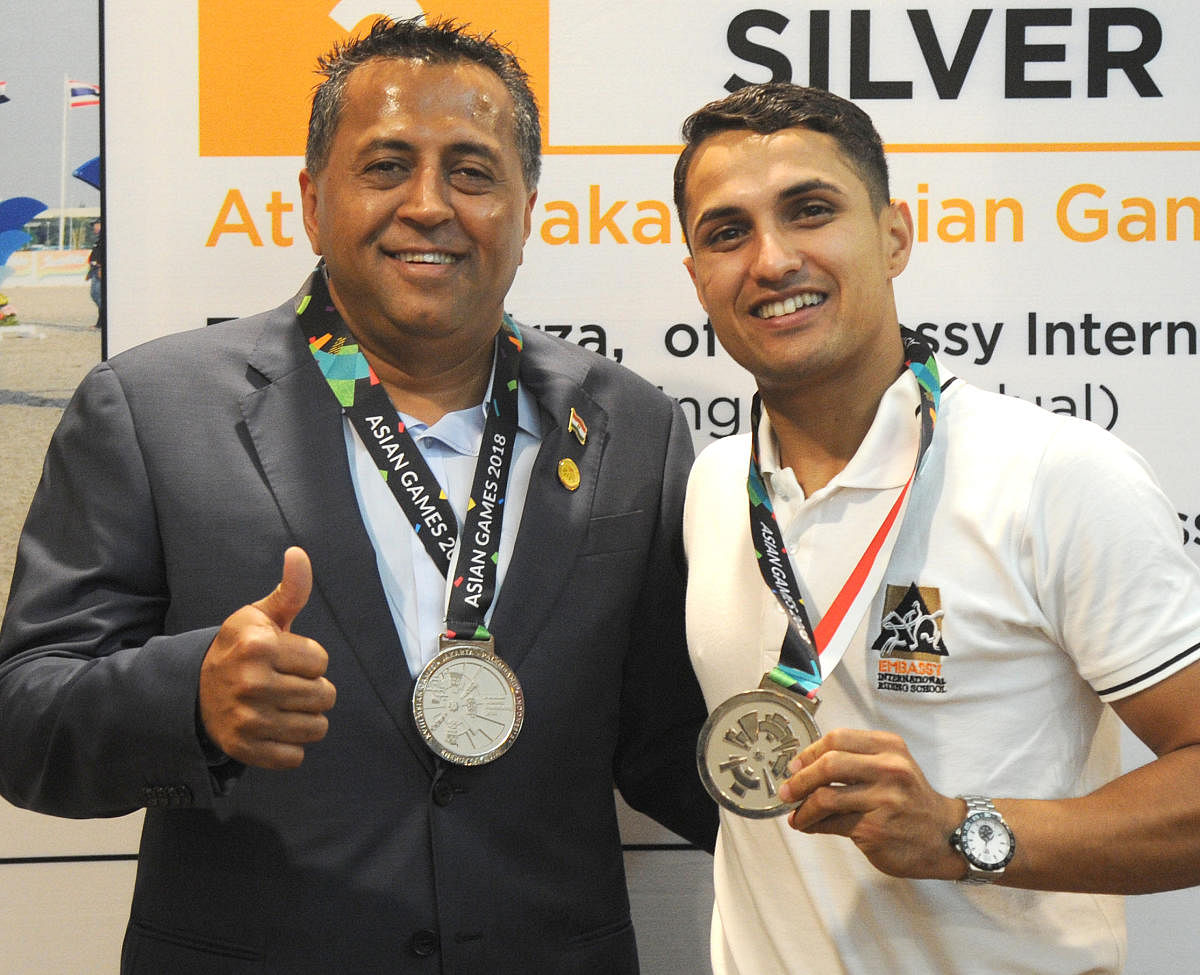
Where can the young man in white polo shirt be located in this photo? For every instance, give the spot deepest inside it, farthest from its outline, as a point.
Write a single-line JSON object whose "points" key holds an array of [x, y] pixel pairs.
{"points": [[973, 589]]}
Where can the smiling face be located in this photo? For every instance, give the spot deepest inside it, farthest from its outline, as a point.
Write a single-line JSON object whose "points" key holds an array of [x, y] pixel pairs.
{"points": [[421, 211], [793, 263]]}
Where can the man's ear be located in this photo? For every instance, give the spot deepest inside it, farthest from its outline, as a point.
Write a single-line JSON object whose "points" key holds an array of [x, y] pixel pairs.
{"points": [[528, 223], [308, 203], [690, 263], [897, 229]]}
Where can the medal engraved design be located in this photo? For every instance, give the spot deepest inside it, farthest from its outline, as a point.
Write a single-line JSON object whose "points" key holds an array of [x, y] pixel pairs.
{"points": [[468, 704], [745, 746]]}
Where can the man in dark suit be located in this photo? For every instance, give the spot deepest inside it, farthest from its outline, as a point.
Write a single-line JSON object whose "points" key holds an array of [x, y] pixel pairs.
{"points": [[326, 787]]}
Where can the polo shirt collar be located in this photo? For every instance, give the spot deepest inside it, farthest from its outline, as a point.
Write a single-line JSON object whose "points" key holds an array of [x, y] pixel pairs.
{"points": [[883, 460]]}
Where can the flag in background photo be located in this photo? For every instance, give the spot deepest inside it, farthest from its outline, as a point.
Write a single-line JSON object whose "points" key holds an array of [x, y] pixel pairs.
{"points": [[81, 94], [3, 93]]}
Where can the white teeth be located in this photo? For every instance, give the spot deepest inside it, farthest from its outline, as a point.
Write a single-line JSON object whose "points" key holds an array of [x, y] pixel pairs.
{"points": [[432, 257], [774, 309]]}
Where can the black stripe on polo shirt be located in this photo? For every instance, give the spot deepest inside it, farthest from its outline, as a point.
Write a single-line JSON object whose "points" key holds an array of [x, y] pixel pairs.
{"points": [[1150, 673]]}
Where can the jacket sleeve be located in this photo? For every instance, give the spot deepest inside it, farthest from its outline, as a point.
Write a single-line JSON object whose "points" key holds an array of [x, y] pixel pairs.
{"points": [[97, 703], [662, 708]]}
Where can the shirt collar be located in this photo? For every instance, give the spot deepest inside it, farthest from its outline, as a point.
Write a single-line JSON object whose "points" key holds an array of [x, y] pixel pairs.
{"points": [[462, 430], [883, 460]]}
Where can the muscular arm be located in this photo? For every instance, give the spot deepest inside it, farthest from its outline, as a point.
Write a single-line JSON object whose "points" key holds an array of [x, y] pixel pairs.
{"points": [[1138, 834], [1119, 596]]}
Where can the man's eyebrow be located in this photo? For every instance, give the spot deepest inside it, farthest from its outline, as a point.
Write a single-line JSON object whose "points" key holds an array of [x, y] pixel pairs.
{"points": [[390, 144], [807, 186], [468, 147], [717, 213], [803, 188], [464, 147]]}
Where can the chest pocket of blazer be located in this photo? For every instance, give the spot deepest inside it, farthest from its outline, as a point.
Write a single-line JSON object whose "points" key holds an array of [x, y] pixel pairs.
{"points": [[625, 532]]}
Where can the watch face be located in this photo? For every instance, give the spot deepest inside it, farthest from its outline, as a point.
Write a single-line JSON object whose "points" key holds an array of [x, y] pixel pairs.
{"points": [[986, 841]]}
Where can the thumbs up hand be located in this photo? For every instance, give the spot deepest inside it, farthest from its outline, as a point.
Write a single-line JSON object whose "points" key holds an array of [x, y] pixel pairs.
{"points": [[263, 692]]}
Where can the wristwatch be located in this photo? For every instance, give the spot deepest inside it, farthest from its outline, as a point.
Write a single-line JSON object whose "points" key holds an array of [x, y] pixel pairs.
{"points": [[985, 841]]}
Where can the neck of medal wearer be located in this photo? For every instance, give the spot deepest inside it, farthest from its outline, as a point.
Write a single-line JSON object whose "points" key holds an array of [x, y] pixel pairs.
{"points": [[429, 389], [427, 371], [820, 423]]}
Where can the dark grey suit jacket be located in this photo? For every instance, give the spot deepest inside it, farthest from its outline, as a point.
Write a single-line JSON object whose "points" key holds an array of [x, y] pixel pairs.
{"points": [[180, 473]]}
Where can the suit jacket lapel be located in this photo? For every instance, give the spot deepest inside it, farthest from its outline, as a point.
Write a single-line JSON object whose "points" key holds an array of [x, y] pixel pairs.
{"points": [[295, 425], [554, 523]]}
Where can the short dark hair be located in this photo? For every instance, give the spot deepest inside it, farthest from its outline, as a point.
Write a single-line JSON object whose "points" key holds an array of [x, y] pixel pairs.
{"points": [[437, 42], [779, 105]]}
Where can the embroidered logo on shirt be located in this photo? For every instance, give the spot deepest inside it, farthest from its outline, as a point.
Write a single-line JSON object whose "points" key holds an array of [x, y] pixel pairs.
{"points": [[911, 651]]}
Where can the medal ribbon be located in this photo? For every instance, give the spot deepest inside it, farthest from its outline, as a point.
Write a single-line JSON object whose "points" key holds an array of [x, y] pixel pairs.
{"points": [[799, 669], [412, 483]]}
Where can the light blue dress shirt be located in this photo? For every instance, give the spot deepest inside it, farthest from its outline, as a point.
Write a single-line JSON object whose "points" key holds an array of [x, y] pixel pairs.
{"points": [[416, 591]]}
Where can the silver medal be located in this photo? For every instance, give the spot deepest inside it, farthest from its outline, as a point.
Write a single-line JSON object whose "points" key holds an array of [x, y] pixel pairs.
{"points": [[745, 746], [468, 704]]}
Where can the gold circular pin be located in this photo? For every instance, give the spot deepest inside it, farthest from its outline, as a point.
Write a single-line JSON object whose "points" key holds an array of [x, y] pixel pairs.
{"points": [[568, 473]]}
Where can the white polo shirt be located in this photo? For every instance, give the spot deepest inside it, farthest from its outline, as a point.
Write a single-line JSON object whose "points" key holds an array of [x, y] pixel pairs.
{"points": [[1049, 577]]}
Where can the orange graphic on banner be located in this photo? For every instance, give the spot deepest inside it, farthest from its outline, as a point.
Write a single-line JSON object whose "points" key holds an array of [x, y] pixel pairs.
{"points": [[256, 60]]}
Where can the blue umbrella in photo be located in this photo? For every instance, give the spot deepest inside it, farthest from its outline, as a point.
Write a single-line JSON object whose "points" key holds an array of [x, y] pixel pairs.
{"points": [[89, 172], [18, 211], [14, 214], [10, 241]]}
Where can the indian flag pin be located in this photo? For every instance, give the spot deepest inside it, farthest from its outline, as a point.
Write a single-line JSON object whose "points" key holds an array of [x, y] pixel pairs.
{"points": [[577, 427]]}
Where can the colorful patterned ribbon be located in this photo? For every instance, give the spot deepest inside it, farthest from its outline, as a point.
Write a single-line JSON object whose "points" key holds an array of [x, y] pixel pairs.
{"points": [[799, 668], [412, 483]]}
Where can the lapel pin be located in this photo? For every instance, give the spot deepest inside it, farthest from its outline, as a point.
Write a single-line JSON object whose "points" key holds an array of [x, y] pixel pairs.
{"points": [[568, 473], [577, 427]]}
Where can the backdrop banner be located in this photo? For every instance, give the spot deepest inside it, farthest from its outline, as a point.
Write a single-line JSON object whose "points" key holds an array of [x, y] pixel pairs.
{"points": [[1048, 153]]}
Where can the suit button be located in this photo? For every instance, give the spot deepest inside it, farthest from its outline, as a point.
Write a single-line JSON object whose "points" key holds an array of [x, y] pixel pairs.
{"points": [[179, 796], [443, 792], [423, 943]]}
